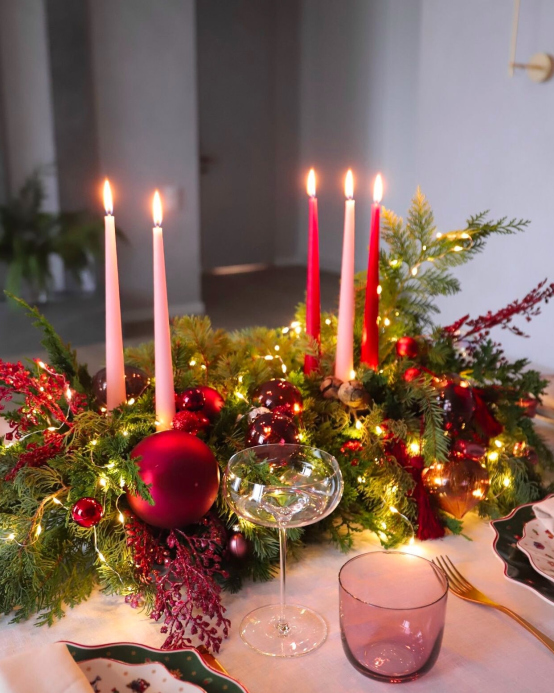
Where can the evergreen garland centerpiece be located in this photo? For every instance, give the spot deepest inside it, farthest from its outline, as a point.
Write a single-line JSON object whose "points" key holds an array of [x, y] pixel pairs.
{"points": [[445, 424]]}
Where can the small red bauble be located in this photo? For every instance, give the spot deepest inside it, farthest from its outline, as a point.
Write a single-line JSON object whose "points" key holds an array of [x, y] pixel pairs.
{"points": [[468, 448], [184, 478], [190, 422], [271, 428], [87, 512], [279, 396], [407, 347], [411, 374], [202, 399], [529, 406], [238, 546]]}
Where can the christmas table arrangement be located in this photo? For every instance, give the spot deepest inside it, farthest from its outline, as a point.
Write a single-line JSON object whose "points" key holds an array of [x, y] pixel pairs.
{"points": [[113, 480]]}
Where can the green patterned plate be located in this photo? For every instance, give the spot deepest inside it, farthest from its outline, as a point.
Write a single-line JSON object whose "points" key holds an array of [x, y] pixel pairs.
{"points": [[186, 664]]}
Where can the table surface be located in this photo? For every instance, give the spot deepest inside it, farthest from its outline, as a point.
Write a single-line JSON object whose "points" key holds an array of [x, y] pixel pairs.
{"points": [[482, 650]]}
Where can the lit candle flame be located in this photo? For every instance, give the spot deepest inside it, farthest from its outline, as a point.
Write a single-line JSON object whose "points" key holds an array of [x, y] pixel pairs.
{"points": [[311, 183], [349, 185], [378, 189], [157, 209], [108, 199]]}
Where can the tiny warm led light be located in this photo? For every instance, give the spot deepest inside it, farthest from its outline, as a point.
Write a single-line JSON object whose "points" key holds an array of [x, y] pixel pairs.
{"points": [[352, 374], [393, 509], [203, 366], [359, 424], [51, 428], [131, 401], [102, 481], [493, 456], [311, 183], [379, 289], [478, 493], [101, 556], [94, 442], [68, 394], [327, 321], [457, 248], [378, 189], [240, 378], [125, 433], [465, 235], [240, 395], [464, 383], [498, 443], [42, 364], [108, 198], [277, 347], [414, 271], [379, 430], [269, 357], [298, 330], [56, 501], [439, 235], [415, 448], [286, 330], [349, 185], [192, 363], [361, 479], [297, 408], [284, 368], [157, 209], [11, 536], [387, 322], [38, 530], [507, 482], [121, 518]]}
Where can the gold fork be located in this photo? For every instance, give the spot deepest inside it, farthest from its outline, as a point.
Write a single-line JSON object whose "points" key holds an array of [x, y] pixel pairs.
{"points": [[465, 590]]}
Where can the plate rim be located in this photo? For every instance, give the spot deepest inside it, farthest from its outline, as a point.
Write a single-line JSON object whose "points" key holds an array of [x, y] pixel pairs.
{"points": [[529, 554], [159, 650], [504, 564]]}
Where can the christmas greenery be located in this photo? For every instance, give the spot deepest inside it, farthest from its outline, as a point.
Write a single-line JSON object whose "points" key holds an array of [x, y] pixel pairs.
{"points": [[62, 447]]}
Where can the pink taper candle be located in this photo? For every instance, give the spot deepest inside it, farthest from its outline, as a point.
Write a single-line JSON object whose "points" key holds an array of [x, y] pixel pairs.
{"points": [[370, 333], [165, 394], [115, 366], [344, 359], [313, 304]]}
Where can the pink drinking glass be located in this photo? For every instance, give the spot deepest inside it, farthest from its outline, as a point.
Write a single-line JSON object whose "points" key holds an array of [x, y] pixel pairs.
{"points": [[392, 610]]}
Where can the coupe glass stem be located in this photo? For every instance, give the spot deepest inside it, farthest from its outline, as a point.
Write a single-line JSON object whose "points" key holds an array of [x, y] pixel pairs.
{"points": [[283, 626]]}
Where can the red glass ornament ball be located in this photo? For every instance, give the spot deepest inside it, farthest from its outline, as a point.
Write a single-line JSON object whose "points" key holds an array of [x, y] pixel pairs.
{"points": [[184, 478], [407, 347], [190, 422], [201, 399], [87, 512], [411, 374], [529, 406], [238, 546], [279, 396], [271, 428]]}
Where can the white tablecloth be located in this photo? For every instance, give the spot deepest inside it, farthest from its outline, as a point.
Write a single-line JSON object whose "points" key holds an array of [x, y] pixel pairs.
{"points": [[482, 650]]}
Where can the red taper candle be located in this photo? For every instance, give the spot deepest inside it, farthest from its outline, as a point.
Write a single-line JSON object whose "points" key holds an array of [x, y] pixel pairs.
{"points": [[370, 333], [313, 302]]}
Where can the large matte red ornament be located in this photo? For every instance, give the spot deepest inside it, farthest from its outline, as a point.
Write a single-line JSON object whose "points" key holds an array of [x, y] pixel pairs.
{"points": [[203, 400], [457, 485], [407, 347], [184, 478], [279, 396], [271, 428], [136, 382], [87, 512], [238, 546], [458, 404]]}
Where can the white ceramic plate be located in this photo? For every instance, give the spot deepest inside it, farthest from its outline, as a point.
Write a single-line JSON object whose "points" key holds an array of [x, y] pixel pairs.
{"points": [[111, 676], [537, 543]]}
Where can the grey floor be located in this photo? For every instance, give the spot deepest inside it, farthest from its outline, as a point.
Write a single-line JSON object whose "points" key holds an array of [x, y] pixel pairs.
{"points": [[265, 297]]}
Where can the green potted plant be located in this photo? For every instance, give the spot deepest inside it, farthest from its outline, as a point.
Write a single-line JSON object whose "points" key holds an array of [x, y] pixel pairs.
{"points": [[30, 236]]}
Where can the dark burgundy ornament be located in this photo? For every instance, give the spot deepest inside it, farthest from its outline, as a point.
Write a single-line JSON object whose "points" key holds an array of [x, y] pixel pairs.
{"points": [[407, 347], [329, 387], [458, 485], [202, 399], [271, 428], [458, 404], [136, 382], [190, 422], [87, 512], [279, 396], [468, 448], [238, 546], [184, 478]]}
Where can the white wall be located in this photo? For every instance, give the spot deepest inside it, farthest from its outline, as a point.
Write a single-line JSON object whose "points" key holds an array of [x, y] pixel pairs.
{"points": [[420, 90], [144, 63]]}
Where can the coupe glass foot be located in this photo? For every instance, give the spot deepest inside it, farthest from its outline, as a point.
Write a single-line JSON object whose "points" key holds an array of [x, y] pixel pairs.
{"points": [[302, 630]]}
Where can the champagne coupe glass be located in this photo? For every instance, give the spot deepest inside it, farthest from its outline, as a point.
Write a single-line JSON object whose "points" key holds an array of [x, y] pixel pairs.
{"points": [[283, 486]]}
